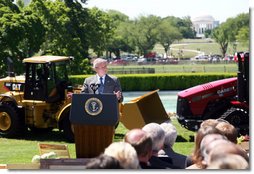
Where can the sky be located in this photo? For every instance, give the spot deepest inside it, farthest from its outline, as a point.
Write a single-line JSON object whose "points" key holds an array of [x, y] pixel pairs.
{"points": [[219, 9]]}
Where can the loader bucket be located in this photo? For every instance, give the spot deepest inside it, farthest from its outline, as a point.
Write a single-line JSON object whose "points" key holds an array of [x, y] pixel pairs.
{"points": [[143, 110]]}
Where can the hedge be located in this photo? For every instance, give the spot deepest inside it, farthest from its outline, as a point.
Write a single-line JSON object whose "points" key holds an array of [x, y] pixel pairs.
{"points": [[147, 82]]}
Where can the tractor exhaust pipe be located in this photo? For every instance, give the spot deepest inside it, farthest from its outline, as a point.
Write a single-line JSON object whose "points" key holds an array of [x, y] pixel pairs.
{"points": [[10, 71]]}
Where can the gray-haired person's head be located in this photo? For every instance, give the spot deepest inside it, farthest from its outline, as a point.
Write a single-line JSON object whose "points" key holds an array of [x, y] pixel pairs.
{"points": [[99, 61], [170, 134], [157, 134]]}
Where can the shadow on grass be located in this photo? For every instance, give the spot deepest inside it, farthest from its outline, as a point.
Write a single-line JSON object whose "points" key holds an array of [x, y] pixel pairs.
{"points": [[119, 136], [54, 135], [182, 139]]}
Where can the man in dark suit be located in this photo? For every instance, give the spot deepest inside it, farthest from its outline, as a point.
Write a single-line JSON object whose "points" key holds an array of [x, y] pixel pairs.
{"points": [[101, 82], [142, 143]]}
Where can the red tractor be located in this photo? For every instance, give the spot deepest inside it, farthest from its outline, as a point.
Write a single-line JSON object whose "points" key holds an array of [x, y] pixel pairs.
{"points": [[226, 99]]}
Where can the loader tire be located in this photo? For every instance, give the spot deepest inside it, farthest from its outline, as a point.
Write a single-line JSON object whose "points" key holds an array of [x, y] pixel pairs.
{"points": [[11, 123], [67, 128]]}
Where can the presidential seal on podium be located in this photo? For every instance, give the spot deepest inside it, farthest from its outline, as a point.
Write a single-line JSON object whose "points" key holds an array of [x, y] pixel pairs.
{"points": [[93, 106]]}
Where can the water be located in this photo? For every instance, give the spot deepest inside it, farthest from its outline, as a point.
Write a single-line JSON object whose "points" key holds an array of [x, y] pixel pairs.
{"points": [[168, 98]]}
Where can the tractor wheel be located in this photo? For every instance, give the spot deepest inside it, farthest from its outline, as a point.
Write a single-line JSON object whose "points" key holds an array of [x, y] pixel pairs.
{"points": [[11, 123], [67, 128], [239, 118]]}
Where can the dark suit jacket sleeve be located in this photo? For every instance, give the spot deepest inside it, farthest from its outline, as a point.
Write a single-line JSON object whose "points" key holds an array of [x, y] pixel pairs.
{"points": [[118, 88], [113, 86], [85, 87]]}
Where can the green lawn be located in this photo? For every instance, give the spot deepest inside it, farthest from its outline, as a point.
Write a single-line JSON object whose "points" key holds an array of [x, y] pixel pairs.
{"points": [[22, 150], [208, 46], [180, 68]]}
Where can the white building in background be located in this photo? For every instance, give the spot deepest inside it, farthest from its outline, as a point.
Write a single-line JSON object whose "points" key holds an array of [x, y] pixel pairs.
{"points": [[26, 2], [203, 23]]}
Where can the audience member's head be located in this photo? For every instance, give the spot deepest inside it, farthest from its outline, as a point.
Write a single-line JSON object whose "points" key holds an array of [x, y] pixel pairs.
{"points": [[226, 148], [202, 131], [209, 142], [103, 162], [141, 142], [170, 134], [157, 135], [222, 120], [228, 130], [124, 153], [209, 122], [228, 161]]}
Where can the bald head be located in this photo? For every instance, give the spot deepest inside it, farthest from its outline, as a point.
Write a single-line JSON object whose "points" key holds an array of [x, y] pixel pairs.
{"points": [[140, 140], [134, 136]]}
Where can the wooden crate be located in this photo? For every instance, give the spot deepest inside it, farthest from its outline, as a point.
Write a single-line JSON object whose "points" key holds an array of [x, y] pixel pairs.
{"points": [[23, 166], [60, 149], [64, 164]]}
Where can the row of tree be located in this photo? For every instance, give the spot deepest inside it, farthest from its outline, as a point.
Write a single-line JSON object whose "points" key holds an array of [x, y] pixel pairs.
{"points": [[66, 27]]}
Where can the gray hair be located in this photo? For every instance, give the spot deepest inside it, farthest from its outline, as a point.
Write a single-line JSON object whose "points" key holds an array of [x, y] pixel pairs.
{"points": [[99, 61], [170, 134], [157, 134]]}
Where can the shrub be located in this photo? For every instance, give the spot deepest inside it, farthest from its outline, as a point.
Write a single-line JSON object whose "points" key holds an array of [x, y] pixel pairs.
{"points": [[147, 82]]}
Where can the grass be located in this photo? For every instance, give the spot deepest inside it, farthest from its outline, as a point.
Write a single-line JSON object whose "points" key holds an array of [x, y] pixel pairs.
{"points": [[180, 68], [208, 46], [23, 149]]}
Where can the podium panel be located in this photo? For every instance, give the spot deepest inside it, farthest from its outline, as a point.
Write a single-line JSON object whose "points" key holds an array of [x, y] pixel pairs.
{"points": [[91, 140], [145, 109], [94, 109], [93, 117]]}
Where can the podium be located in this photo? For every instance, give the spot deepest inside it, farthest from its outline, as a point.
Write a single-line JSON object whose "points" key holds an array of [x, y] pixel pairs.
{"points": [[93, 117], [142, 110]]}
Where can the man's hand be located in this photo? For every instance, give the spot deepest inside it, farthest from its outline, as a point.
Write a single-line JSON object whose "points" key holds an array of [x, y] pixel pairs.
{"points": [[69, 95], [118, 94]]}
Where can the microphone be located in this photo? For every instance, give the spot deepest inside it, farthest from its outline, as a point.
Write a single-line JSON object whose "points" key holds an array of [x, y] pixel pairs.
{"points": [[94, 87]]}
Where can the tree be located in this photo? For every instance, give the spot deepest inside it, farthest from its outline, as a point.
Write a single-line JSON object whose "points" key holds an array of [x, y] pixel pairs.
{"points": [[231, 30], [184, 25], [34, 34], [120, 41], [167, 34], [145, 33], [101, 30], [240, 21], [66, 29], [242, 29], [221, 36], [243, 35], [20, 33]]}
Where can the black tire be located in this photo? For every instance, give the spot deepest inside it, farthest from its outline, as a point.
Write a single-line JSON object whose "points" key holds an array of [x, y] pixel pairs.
{"points": [[11, 123], [67, 128], [40, 130], [239, 118]]}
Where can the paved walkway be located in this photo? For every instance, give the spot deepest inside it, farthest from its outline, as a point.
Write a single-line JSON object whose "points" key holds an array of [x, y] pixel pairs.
{"points": [[195, 51]]}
